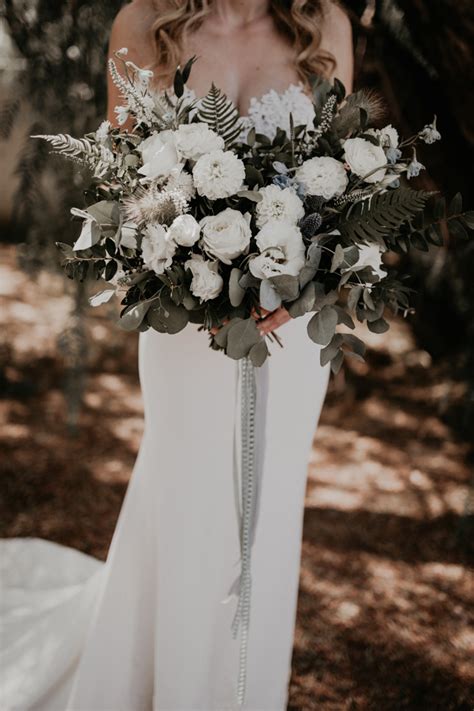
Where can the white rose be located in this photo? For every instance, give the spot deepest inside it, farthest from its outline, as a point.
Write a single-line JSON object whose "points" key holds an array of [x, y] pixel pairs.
{"points": [[159, 155], [206, 282], [323, 176], [278, 204], [369, 256], [195, 139], [218, 174], [157, 248], [184, 230], [226, 235], [363, 158], [282, 250]]}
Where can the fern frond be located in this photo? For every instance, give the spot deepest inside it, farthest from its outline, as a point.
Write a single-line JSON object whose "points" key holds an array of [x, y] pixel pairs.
{"points": [[220, 114], [80, 150], [382, 214]]}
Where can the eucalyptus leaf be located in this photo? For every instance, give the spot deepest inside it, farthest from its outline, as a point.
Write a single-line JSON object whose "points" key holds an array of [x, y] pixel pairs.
{"points": [[167, 317], [304, 302], [258, 353], [221, 336], [286, 285], [322, 325], [378, 326], [105, 212], [133, 316], [236, 292], [101, 297], [90, 235], [338, 258], [331, 350], [241, 337], [270, 299]]}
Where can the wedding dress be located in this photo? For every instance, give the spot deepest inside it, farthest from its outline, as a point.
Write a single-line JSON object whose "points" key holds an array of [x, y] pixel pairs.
{"points": [[150, 630]]}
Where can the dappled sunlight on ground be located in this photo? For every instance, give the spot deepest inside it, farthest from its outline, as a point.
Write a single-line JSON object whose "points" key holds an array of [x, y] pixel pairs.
{"points": [[386, 590]]}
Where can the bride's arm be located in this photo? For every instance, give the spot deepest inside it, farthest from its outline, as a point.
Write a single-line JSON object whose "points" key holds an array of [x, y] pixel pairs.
{"points": [[131, 29]]}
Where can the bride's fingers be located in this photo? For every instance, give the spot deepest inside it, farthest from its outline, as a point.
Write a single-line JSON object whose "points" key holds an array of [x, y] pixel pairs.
{"points": [[273, 321], [260, 314]]}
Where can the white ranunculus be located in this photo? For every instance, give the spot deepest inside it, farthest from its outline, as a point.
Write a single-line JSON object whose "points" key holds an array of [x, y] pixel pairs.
{"points": [[158, 248], [322, 176], [159, 155], [225, 235], [282, 250], [278, 204], [206, 283], [370, 255], [195, 139], [184, 230], [218, 174], [363, 158]]}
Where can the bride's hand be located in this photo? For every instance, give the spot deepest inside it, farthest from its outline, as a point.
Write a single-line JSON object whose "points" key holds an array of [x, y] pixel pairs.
{"points": [[272, 320]]}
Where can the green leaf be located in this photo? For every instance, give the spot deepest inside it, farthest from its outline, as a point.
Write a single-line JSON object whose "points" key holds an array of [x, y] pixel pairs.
{"points": [[331, 350], [455, 206], [220, 114], [344, 317], [270, 299], [378, 326], [236, 292], [354, 296], [133, 316], [167, 317], [286, 285], [66, 249], [357, 346], [178, 84], [468, 219], [258, 353], [253, 176], [304, 302], [457, 229], [322, 325], [105, 212], [241, 337], [252, 195], [221, 336], [338, 258], [336, 362]]}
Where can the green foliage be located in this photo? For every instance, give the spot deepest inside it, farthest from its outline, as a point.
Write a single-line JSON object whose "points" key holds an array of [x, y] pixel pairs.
{"points": [[220, 114]]}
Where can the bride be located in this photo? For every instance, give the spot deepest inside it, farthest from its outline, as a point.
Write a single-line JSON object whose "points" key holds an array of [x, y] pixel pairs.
{"points": [[151, 628]]}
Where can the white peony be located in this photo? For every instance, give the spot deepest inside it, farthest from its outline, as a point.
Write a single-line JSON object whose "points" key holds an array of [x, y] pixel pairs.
{"points": [[159, 155], [206, 282], [184, 230], [278, 204], [226, 235], [369, 256], [363, 158], [282, 250], [195, 139], [157, 248], [218, 174], [323, 176]]}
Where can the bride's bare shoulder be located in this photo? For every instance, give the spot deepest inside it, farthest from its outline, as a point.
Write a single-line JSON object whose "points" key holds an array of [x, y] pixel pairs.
{"points": [[132, 28]]}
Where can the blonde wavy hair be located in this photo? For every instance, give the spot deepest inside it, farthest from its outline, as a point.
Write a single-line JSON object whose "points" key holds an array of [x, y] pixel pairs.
{"points": [[298, 20]]}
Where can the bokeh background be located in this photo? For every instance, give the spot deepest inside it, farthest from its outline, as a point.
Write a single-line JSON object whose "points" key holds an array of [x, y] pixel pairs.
{"points": [[386, 591]]}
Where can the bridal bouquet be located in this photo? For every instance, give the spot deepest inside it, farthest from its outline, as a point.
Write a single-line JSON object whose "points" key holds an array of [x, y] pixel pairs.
{"points": [[192, 219]]}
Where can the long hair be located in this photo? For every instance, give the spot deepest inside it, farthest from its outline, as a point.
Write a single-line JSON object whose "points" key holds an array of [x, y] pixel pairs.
{"points": [[298, 20]]}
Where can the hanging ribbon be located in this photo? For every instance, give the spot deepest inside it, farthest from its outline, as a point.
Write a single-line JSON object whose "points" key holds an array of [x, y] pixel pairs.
{"points": [[247, 505]]}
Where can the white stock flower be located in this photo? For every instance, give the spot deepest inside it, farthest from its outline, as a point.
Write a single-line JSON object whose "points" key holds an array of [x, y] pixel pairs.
{"points": [[218, 174], [370, 255], [159, 155], [158, 248], [363, 158], [195, 139], [184, 230], [225, 235], [430, 133], [281, 248], [122, 114], [322, 176], [278, 204], [206, 283]]}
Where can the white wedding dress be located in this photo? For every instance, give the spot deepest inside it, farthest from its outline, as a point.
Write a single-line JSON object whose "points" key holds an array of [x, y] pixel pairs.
{"points": [[150, 630]]}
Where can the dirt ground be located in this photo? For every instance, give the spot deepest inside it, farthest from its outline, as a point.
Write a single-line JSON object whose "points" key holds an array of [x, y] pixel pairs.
{"points": [[385, 606]]}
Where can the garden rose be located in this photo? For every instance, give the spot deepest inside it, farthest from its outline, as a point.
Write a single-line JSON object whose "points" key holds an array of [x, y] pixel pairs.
{"points": [[363, 157], [159, 154], [226, 235], [206, 283], [184, 230], [195, 139], [281, 248], [157, 248]]}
